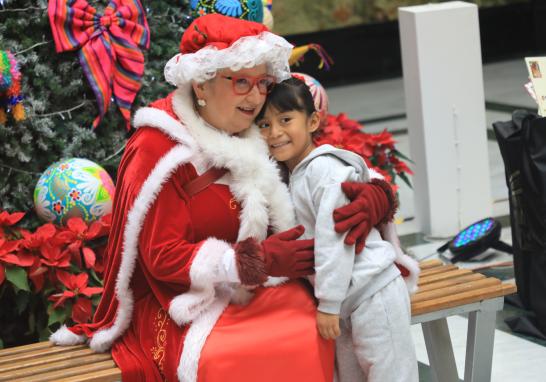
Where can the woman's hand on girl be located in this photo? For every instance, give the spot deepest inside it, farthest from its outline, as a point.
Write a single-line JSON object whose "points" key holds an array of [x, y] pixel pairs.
{"points": [[371, 204]]}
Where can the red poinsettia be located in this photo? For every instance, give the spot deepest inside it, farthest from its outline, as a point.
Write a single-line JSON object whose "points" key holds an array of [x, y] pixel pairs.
{"points": [[77, 289], [76, 234], [33, 244], [377, 150], [10, 257], [7, 220]]}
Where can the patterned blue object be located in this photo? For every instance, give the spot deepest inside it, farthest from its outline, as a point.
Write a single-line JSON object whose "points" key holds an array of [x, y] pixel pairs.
{"points": [[473, 233], [229, 7], [73, 188], [252, 10]]}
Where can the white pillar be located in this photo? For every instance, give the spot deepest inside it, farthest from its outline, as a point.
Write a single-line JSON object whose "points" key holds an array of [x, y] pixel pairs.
{"points": [[443, 81]]}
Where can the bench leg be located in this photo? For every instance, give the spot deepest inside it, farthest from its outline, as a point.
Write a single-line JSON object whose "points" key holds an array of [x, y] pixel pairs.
{"points": [[479, 346], [440, 351]]}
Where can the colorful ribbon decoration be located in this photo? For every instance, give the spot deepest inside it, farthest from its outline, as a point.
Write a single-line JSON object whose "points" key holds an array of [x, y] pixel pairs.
{"points": [[109, 47], [10, 88]]}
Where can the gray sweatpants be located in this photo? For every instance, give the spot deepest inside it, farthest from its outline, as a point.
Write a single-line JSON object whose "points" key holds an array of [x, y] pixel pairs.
{"points": [[375, 344]]}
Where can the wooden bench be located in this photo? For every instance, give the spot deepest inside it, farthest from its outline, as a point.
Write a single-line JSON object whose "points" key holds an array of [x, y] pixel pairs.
{"points": [[445, 290]]}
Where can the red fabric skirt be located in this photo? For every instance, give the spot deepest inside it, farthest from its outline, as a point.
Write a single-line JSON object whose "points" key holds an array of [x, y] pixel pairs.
{"points": [[273, 338]]}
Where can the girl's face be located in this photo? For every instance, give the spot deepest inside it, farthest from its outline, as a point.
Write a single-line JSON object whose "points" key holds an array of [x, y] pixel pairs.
{"points": [[288, 134], [226, 110]]}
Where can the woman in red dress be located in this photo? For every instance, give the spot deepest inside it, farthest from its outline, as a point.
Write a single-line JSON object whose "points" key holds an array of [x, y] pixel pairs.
{"points": [[192, 287]]}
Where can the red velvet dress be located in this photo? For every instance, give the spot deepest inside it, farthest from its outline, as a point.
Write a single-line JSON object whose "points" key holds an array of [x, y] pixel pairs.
{"points": [[273, 338]]}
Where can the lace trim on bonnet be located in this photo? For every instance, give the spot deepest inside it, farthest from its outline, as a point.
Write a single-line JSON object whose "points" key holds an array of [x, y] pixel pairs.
{"points": [[246, 52]]}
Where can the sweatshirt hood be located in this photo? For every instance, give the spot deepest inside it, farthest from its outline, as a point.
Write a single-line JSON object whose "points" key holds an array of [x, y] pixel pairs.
{"points": [[346, 156]]}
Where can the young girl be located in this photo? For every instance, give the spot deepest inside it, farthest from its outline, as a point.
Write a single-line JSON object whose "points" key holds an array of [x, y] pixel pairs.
{"points": [[363, 300]]}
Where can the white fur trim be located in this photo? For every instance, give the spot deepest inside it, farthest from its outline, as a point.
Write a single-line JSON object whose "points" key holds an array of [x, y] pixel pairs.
{"points": [[65, 337], [160, 119], [197, 334], [247, 52], [256, 182], [388, 232], [375, 175], [412, 266], [102, 340], [275, 281], [204, 274]]}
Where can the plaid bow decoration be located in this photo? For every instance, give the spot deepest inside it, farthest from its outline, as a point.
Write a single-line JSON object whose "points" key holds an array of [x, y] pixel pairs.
{"points": [[109, 47]]}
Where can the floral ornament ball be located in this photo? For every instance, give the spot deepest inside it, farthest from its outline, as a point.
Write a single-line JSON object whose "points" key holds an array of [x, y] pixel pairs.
{"points": [[317, 91], [252, 10], [73, 187]]}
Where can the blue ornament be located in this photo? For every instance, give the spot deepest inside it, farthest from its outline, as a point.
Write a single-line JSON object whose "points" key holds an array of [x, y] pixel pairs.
{"points": [[251, 10]]}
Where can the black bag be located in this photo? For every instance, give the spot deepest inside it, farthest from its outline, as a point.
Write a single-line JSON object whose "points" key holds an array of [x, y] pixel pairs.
{"points": [[522, 143]]}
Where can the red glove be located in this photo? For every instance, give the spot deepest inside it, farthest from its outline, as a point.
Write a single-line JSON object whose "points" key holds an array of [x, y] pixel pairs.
{"points": [[371, 204], [278, 255]]}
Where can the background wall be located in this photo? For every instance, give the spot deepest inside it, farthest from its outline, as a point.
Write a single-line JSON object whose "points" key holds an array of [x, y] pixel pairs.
{"points": [[303, 16]]}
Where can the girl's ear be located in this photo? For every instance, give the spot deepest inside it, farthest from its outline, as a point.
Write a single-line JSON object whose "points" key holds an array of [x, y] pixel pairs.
{"points": [[313, 122]]}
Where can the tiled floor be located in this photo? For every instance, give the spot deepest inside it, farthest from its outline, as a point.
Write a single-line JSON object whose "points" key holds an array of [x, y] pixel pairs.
{"points": [[380, 105]]}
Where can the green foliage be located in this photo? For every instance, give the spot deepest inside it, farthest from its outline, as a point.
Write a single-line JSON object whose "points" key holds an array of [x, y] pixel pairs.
{"points": [[59, 102], [18, 277]]}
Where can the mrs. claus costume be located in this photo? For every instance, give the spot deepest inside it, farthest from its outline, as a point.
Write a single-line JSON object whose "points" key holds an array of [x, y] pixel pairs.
{"points": [[170, 268]]}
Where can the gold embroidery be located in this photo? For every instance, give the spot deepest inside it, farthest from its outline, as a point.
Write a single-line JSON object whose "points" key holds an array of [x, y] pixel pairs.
{"points": [[160, 329], [233, 203]]}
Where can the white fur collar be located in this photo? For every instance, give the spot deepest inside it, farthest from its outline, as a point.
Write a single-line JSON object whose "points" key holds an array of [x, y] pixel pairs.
{"points": [[256, 181]]}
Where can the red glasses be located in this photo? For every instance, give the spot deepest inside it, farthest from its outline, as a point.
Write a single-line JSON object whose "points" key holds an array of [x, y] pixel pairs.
{"points": [[243, 85]]}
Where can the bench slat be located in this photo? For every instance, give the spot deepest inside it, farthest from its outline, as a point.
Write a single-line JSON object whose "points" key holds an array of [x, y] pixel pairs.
{"points": [[443, 276], [64, 350], [45, 359], [426, 264], [462, 298], [449, 282], [436, 270], [108, 375], [29, 369], [71, 372], [25, 348], [454, 289]]}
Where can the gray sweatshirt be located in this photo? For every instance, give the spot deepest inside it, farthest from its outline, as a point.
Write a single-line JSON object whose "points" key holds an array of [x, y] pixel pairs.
{"points": [[342, 279]]}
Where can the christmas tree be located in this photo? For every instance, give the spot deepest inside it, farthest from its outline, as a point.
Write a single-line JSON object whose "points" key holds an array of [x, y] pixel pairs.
{"points": [[59, 103]]}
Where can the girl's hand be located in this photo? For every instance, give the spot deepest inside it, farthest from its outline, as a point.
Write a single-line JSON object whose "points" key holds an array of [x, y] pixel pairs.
{"points": [[328, 325]]}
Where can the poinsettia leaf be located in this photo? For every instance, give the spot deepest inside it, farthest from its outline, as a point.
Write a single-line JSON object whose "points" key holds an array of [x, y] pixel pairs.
{"points": [[405, 178], [81, 311], [96, 299], [400, 155], [89, 257], [58, 315], [95, 277], [21, 301], [18, 277], [2, 274]]}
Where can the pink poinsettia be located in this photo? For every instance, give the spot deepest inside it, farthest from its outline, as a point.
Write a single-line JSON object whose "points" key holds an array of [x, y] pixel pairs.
{"points": [[10, 257], [77, 289]]}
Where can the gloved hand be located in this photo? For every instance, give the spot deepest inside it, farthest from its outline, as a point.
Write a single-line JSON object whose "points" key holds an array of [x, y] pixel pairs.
{"points": [[371, 204], [278, 255], [287, 256]]}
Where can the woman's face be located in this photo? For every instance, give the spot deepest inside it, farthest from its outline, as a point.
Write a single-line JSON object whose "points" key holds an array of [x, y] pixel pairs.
{"points": [[225, 109]]}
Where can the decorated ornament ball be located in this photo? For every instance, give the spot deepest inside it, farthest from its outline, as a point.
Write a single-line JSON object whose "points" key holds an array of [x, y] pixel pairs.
{"points": [[318, 92], [73, 187], [252, 10]]}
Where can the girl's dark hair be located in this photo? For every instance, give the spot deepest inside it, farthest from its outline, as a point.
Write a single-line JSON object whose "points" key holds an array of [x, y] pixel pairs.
{"points": [[291, 94]]}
